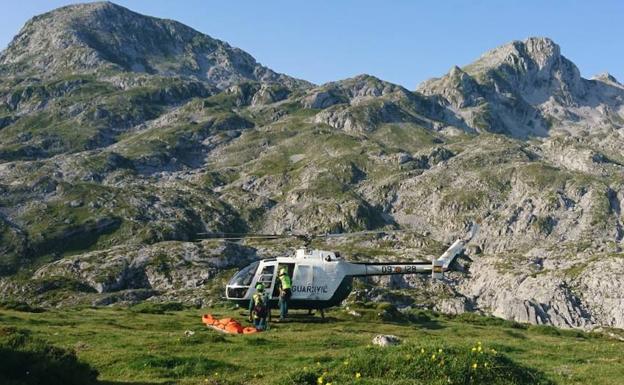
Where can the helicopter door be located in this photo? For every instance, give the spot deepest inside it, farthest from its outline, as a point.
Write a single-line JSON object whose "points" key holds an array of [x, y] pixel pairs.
{"points": [[267, 276], [302, 278], [290, 267]]}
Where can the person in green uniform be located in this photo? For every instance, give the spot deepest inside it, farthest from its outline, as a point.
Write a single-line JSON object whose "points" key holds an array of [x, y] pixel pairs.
{"points": [[285, 292], [258, 308]]}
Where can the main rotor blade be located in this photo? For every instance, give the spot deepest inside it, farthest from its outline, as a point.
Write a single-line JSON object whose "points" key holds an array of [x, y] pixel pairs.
{"points": [[305, 237], [359, 233], [241, 236]]}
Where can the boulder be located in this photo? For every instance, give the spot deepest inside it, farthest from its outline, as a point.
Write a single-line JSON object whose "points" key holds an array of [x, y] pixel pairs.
{"points": [[386, 340]]}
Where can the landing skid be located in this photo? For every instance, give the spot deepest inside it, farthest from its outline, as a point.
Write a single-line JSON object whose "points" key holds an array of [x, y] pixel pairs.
{"points": [[310, 316]]}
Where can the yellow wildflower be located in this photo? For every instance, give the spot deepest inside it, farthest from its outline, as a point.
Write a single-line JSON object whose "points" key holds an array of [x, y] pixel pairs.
{"points": [[433, 357], [479, 348], [439, 350], [320, 380], [474, 349], [346, 363], [474, 366], [422, 350], [358, 375]]}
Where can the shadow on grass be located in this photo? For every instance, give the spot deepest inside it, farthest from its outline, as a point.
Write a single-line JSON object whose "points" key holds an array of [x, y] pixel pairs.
{"points": [[428, 324], [134, 383], [314, 318], [305, 318]]}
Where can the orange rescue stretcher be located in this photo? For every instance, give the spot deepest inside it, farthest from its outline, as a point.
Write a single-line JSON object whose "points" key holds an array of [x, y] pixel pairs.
{"points": [[227, 325]]}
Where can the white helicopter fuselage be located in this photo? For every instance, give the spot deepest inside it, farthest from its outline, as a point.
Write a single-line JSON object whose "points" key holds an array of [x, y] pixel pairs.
{"points": [[322, 279]]}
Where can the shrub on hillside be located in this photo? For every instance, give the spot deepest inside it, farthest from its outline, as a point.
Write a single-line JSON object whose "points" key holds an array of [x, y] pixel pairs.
{"points": [[20, 306], [482, 320], [157, 308]]}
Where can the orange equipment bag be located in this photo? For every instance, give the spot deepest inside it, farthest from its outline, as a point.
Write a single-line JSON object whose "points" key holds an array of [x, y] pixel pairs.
{"points": [[234, 328], [227, 325]]}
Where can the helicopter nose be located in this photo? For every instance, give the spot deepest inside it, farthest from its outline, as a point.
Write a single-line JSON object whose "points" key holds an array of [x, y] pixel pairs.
{"points": [[236, 292]]}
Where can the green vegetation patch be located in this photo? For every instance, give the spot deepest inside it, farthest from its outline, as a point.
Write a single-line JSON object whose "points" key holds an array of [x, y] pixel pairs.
{"points": [[177, 366], [20, 306], [27, 360], [126, 346], [476, 319], [157, 308], [429, 364]]}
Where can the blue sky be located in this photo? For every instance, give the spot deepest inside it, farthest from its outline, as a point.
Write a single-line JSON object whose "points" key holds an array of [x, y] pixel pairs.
{"points": [[404, 42]]}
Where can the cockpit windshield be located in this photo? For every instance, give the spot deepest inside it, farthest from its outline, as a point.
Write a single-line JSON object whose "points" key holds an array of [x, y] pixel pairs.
{"points": [[245, 276]]}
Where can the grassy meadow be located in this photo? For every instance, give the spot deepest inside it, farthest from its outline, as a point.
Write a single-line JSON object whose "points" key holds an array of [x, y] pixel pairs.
{"points": [[140, 346]]}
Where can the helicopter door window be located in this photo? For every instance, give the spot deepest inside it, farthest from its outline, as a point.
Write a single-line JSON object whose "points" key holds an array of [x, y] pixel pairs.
{"points": [[303, 275], [266, 276]]}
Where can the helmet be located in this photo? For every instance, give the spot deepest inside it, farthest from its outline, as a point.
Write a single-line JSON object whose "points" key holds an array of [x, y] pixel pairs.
{"points": [[260, 287], [282, 271]]}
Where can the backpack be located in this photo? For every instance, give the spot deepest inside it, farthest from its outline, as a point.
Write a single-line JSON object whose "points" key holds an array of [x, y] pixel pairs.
{"points": [[260, 308]]}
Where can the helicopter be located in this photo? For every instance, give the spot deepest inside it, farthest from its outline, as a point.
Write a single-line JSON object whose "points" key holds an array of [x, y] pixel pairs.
{"points": [[323, 279]]}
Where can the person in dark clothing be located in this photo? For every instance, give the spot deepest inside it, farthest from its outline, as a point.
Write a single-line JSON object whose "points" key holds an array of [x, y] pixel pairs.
{"points": [[259, 308]]}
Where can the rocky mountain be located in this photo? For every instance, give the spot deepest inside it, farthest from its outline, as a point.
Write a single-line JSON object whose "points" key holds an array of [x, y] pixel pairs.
{"points": [[101, 37], [123, 136], [528, 89]]}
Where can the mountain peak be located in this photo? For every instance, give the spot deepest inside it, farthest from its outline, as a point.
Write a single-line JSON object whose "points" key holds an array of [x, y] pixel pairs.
{"points": [[540, 46], [91, 7], [606, 78], [103, 36], [521, 88], [533, 68], [534, 53]]}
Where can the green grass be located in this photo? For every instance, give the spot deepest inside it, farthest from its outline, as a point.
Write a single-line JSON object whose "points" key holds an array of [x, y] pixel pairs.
{"points": [[157, 308], [407, 137], [31, 361], [129, 346]]}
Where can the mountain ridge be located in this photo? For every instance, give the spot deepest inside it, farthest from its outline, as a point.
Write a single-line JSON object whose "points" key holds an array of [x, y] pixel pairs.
{"points": [[108, 35], [538, 88]]}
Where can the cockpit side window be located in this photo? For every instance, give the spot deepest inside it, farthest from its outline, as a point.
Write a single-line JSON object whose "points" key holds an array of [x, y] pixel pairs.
{"points": [[245, 276]]}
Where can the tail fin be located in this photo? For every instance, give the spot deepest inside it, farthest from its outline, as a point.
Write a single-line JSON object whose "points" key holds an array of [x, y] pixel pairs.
{"points": [[442, 263]]}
